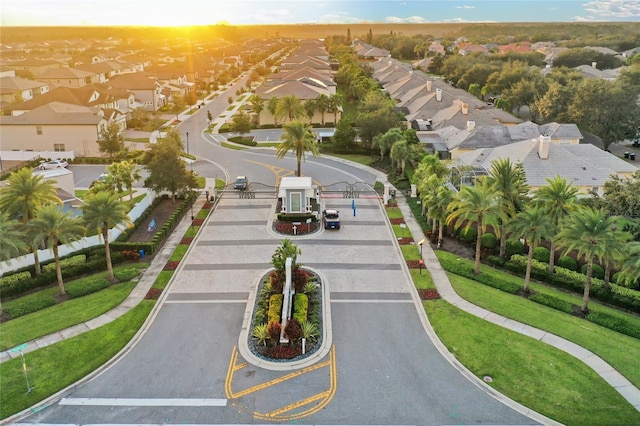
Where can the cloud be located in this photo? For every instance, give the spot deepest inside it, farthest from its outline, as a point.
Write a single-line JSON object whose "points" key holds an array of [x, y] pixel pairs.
{"points": [[613, 9], [465, 7]]}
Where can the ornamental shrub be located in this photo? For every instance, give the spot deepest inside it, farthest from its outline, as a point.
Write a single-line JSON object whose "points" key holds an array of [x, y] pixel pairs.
{"points": [[513, 247], [541, 254], [28, 304], [14, 279], [300, 307], [552, 302], [275, 308], [293, 330], [489, 241], [614, 323], [567, 262], [83, 287], [274, 328], [496, 261], [597, 271], [127, 274], [299, 279], [469, 235], [66, 263]]}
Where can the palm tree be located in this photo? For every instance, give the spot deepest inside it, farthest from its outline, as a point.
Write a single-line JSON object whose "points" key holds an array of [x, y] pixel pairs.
{"points": [[534, 225], [272, 106], [631, 268], [510, 183], [475, 204], [437, 198], [52, 226], [399, 153], [385, 141], [558, 199], [335, 102], [12, 238], [23, 195], [297, 137], [322, 105], [103, 211], [257, 106], [310, 108], [591, 234], [123, 175], [290, 107]]}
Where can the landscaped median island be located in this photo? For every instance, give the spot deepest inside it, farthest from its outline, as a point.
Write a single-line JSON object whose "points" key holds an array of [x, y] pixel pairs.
{"points": [[301, 319], [538, 376]]}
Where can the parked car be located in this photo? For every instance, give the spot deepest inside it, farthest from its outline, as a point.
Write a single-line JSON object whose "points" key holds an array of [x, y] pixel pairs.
{"points": [[53, 164], [331, 219], [99, 179], [242, 183]]}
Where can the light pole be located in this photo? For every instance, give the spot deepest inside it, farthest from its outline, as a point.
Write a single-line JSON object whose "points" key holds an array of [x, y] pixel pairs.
{"points": [[421, 261], [191, 167]]}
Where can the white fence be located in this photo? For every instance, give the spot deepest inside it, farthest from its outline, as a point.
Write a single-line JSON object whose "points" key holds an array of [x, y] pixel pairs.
{"points": [[86, 242], [30, 155]]}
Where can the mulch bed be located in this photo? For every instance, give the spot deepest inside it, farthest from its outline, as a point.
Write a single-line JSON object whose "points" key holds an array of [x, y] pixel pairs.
{"points": [[414, 264], [171, 265], [207, 206], [405, 240], [186, 240], [428, 294], [397, 221], [153, 294], [160, 213], [197, 222]]}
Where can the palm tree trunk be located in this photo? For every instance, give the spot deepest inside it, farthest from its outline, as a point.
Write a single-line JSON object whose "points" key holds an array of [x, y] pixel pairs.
{"points": [[503, 241], [527, 275], [587, 288], [607, 275], [552, 257], [36, 260], [130, 189], [107, 253], [58, 268], [478, 247], [440, 232]]}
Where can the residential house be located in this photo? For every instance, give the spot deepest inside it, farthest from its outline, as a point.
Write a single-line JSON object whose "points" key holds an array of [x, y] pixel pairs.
{"points": [[67, 76], [55, 127], [146, 89], [18, 89], [368, 52], [585, 166], [30, 68]]}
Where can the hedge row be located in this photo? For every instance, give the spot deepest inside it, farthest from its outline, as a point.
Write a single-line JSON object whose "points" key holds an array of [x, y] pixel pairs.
{"points": [[300, 307], [614, 294], [275, 308], [65, 263], [518, 264], [296, 217]]}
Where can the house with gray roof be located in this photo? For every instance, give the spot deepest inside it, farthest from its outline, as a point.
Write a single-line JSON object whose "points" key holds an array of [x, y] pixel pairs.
{"points": [[585, 166]]}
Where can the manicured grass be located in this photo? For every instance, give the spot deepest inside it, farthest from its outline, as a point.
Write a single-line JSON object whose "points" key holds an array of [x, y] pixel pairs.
{"points": [[619, 350], [410, 252], [80, 193], [232, 146], [162, 280], [401, 232], [62, 315], [178, 253], [535, 374], [268, 144], [361, 159], [422, 280], [59, 365], [202, 214], [394, 212]]}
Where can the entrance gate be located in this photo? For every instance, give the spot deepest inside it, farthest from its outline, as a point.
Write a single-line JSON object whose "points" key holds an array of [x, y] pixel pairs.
{"points": [[348, 190], [255, 190]]}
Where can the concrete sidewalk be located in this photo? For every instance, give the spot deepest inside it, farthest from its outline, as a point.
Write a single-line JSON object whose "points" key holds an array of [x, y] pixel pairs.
{"points": [[446, 291]]}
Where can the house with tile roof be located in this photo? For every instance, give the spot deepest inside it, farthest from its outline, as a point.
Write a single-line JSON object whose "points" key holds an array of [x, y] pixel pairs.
{"points": [[18, 89], [146, 89], [585, 166], [55, 126], [32, 67], [67, 76]]}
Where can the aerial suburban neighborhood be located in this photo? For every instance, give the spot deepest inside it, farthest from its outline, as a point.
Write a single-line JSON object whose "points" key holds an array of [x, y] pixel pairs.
{"points": [[333, 224]]}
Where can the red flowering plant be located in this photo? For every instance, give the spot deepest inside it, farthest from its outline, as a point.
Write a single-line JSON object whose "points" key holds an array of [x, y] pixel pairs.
{"points": [[171, 265], [428, 294]]}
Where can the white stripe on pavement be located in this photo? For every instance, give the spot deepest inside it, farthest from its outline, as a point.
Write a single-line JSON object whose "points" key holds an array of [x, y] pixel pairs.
{"points": [[146, 402]]}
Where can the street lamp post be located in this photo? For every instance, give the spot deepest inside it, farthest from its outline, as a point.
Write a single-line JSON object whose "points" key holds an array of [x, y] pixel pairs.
{"points": [[191, 167]]}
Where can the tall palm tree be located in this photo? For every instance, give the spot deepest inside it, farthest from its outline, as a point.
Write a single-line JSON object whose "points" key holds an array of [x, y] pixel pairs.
{"points": [[124, 174], [103, 211], [310, 108], [558, 198], [290, 107], [510, 183], [24, 194], [591, 234], [335, 102], [534, 225], [272, 106], [475, 204], [399, 153], [385, 141], [297, 137], [322, 105], [437, 200], [52, 226], [12, 238], [257, 106], [631, 267]]}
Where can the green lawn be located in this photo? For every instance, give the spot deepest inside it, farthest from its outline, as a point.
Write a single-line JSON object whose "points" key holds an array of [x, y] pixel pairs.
{"points": [[394, 213]]}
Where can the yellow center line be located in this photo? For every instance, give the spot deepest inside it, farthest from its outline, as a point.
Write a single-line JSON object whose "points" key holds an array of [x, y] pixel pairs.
{"points": [[230, 371], [280, 379]]}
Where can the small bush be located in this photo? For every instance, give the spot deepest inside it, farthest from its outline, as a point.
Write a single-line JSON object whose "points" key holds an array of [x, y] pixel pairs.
{"points": [[469, 235], [299, 279], [300, 307], [126, 274], [84, 287], [276, 280], [567, 262], [552, 302], [489, 241], [261, 333], [496, 261], [275, 308], [65, 263], [309, 330], [541, 254], [274, 328], [597, 271], [29, 304], [293, 330], [513, 247], [14, 279], [614, 323]]}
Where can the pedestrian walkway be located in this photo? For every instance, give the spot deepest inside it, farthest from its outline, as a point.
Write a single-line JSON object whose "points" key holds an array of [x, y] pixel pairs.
{"points": [[135, 297], [446, 291]]}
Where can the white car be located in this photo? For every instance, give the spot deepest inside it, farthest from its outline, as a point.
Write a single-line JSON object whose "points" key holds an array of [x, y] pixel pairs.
{"points": [[53, 164]]}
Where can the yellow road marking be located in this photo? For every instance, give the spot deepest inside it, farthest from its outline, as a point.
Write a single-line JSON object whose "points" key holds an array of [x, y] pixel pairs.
{"points": [[274, 414]]}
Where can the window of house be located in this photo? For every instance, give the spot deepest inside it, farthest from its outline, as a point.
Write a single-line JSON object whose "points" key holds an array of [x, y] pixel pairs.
{"points": [[58, 147], [594, 189], [39, 130]]}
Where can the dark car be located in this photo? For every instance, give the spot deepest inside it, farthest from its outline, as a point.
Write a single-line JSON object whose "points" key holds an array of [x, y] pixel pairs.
{"points": [[242, 183], [331, 219]]}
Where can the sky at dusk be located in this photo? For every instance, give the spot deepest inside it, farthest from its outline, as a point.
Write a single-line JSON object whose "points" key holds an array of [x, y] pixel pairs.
{"points": [[240, 12]]}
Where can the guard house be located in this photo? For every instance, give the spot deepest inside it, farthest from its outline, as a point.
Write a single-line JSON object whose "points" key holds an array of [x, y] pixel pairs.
{"points": [[297, 195]]}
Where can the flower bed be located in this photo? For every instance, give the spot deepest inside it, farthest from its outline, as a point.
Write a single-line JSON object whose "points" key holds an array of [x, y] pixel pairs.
{"points": [[287, 228], [186, 240], [428, 294], [405, 240], [171, 265], [153, 294], [197, 222], [414, 264], [397, 221]]}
